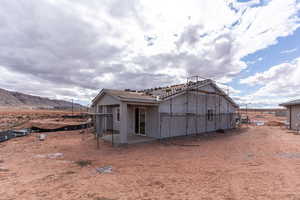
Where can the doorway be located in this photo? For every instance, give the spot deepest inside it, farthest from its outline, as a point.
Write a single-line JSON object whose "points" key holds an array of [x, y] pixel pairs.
{"points": [[140, 121]]}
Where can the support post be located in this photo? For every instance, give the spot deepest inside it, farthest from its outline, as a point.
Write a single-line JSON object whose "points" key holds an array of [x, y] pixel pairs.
{"points": [[215, 117], [72, 107], [98, 129], [159, 124], [197, 96], [104, 119], [123, 123], [170, 118], [112, 137], [220, 115], [187, 110], [227, 116], [290, 117], [206, 113]]}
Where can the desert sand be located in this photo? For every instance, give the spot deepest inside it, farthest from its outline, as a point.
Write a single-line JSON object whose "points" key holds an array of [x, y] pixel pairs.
{"points": [[253, 162], [250, 163]]}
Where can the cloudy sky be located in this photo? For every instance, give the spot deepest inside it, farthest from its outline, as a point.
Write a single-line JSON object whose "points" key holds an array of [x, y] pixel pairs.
{"points": [[71, 49]]}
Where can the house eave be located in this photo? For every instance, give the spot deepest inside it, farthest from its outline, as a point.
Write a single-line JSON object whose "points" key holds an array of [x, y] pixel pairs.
{"points": [[289, 104], [136, 100], [100, 94]]}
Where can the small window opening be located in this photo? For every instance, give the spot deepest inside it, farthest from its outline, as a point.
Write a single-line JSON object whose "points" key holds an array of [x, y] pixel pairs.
{"points": [[210, 115], [118, 114]]}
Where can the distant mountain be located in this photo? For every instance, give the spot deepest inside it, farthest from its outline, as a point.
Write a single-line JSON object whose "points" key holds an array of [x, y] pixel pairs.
{"points": [[17, 99]]}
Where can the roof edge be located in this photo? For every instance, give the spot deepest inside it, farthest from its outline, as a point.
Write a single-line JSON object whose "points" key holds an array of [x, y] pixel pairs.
{"points": [[290, 103]]}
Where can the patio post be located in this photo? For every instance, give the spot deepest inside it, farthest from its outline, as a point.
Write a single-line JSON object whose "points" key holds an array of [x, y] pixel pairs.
{"points": [[123, 123]]}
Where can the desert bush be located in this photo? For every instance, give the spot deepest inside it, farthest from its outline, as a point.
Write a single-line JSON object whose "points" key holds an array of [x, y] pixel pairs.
{"points": [[83, 163]]}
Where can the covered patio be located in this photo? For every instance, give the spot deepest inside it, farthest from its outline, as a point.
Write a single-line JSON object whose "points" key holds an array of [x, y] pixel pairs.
{"points": [[133, 123], [123, 117]]}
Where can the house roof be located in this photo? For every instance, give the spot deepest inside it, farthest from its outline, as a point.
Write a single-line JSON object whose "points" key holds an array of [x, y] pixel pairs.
{"points": [[167, 92], [126, 95], [129, 94], [291, 103], [155, 95]]}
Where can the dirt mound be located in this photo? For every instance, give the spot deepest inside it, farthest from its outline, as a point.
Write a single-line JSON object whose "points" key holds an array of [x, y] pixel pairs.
{"points": [[274, 123], [55, 123]]}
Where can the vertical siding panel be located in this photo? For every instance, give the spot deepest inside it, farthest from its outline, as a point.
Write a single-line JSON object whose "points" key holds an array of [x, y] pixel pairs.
{"points": [[221, 107]]}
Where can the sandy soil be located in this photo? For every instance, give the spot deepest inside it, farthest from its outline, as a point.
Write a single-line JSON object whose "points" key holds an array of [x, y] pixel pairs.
{"points": [[252, 163]]}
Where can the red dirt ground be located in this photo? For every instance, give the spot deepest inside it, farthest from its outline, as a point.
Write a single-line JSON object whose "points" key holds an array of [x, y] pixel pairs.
{"points": [[267, 118], [24, 118], [254, 163]]}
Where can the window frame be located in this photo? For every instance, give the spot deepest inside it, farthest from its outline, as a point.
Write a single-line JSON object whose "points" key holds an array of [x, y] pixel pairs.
{"points": [[118, 114], [210, 115]]}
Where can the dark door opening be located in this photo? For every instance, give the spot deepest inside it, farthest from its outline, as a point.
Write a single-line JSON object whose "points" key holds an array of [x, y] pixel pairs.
{"points": [[140, 121]]}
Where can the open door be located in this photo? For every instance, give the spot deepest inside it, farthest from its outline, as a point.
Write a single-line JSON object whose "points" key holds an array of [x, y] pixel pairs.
{"points": [[140, 121]]}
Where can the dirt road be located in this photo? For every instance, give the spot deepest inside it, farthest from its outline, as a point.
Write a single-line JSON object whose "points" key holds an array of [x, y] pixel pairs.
{"points": [[255, 163]]}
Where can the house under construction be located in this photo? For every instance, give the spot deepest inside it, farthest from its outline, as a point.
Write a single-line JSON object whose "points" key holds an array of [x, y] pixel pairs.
{"points": [[126, 116]]}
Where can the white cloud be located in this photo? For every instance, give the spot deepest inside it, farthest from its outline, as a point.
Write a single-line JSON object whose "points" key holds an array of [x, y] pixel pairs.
{"points": [[16, 81], [87, 45], [228, 89], [289, 51], [278, 84], [254, 61], [259, 27]]}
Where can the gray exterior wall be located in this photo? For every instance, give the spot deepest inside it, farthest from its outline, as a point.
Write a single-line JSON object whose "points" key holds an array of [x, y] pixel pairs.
{"points": [[108, 100], [294, 117], [110, 105], [159, 122], [151, 120], [116, 123], [153, 124], [198, 104]]}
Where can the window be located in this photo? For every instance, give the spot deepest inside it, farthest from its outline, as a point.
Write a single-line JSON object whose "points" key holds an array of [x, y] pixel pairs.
{"points": [[210, 115], [118, 114]]}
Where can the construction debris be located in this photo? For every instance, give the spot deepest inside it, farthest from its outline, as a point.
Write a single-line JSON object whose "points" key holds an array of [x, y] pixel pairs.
{"points": [[289, 155], [55, 155], [3, 169], [258, 123], [51, 155], [42, 137], [62, 128], [6, 135], [106, 169]]}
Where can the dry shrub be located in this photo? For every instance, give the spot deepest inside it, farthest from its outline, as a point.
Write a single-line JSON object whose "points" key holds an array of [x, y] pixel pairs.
{"points": [[274, 123], [4, 170], [70, 172], [83, 163], [102, 198]]}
